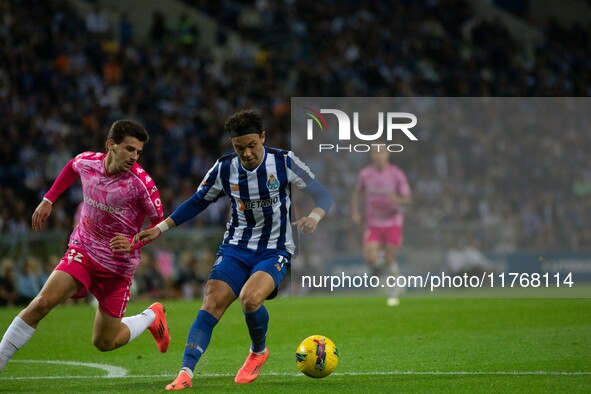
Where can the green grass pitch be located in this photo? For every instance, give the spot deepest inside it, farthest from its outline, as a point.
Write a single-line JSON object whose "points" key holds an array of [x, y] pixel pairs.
{"points": [[423, 345]]}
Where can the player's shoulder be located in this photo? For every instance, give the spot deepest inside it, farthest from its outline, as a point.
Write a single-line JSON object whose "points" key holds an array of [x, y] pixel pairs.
{"points": [[278, 151], [91, 156], [138, 172], [137, 169], [366, 170], [395, 169], [227, 158]]}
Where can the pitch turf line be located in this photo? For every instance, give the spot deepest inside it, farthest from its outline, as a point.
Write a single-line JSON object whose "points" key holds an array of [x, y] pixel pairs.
{"points": [[114, 372]]}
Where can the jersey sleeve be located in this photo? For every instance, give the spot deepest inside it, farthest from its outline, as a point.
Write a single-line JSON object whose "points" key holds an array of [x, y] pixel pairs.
{"points": [[211, 187], [64, 180], [149, 199], [152, 204], [298, 173], [209, 190]]}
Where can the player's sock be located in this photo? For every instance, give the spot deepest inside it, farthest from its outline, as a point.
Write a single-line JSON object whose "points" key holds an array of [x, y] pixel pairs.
{"points": [[188, 371], [257, 323], [394, 271], [17, 335], [198, 339], [138, 323]]}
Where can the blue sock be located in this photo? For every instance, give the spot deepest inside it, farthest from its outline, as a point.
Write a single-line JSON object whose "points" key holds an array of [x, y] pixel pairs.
{"points": [[198, 339], [257, 322]]}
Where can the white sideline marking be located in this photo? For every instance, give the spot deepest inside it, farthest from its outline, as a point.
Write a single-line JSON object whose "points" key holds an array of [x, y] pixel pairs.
{"points": [[112, 371], [117, 372]]}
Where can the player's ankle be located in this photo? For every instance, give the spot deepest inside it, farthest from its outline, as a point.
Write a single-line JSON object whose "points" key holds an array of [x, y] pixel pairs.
{"points": [[188, 371]]}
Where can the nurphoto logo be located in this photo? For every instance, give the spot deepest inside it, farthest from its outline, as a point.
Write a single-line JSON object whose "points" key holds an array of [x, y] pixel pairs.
{"points": [[389, 123]]}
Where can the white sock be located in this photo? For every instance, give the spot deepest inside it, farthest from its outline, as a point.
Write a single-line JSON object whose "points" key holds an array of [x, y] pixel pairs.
{"points": [[138, 323], [17, 336], [394, 271], [188, 371], [393, 268]]}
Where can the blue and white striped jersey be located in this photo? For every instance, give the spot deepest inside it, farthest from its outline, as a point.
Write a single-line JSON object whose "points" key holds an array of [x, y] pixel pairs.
{"points": [[261, 198]]}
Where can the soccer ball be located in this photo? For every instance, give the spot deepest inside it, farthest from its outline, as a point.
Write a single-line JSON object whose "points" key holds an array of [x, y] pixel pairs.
{"points": [[317, 356]]}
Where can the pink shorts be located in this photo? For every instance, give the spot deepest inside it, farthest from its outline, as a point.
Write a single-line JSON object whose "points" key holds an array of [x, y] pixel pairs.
{"points": [[110, 289], [384, 235]]}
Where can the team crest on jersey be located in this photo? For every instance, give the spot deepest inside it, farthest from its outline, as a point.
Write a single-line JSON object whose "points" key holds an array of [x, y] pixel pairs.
{"points": [[272, 182], [234, 188]]}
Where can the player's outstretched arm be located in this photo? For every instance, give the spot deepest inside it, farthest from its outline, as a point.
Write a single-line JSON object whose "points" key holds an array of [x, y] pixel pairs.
{"points": [[152, 233]]}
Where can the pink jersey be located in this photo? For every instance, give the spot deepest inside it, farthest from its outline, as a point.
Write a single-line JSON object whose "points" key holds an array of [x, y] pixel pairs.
{"points": [[113, 204], [376, 185]]}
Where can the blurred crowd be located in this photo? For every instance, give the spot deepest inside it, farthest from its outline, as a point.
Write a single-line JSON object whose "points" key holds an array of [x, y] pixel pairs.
{"points": [[64, 78]]}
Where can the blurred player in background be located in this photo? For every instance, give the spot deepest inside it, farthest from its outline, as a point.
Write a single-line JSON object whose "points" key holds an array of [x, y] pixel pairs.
{"points": [[258, 245], [385, 189], [118, 196]]}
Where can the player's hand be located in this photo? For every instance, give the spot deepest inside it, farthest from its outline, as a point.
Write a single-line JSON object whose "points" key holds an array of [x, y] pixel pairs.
{"points": [[394, 198], [306, 224], [41, 215], [146, 235], [120, 244]]}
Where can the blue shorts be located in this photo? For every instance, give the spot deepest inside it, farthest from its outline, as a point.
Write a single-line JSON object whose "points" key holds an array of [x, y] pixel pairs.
{"points": [[234, 265]]}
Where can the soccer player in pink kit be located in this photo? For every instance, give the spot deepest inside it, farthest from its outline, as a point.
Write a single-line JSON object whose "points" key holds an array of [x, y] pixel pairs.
{"points": [[118, 196], [385, 189]]}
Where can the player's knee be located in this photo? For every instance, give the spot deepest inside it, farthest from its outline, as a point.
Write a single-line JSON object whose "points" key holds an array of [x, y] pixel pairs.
{"points": [[251, 300], [102, 344], [213, 306]]}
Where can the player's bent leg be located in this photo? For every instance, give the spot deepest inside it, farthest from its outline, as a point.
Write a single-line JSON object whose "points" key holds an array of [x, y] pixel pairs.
{"points": [[113, 332], [218, 297], [255, 291], [108, 332], [253, 294]]}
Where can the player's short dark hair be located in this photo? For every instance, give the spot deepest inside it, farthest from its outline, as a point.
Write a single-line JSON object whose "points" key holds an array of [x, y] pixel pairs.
{"points": [[125, 127], [246, 121]]}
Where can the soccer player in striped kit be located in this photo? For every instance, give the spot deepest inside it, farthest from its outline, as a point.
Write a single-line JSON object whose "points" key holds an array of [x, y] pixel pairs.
{"points": [[258, 245], [118, 196]]}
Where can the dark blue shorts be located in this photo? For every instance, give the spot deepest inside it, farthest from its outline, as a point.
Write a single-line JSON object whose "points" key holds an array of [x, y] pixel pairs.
{"points": [[234, 265]]}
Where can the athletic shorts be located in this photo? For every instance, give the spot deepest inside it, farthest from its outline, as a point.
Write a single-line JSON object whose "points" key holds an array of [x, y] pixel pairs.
{"points": [[235, 265], [110, 289], [384, 235]]}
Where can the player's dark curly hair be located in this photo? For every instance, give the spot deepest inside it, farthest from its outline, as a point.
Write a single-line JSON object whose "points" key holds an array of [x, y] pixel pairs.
{"points": [[125, 127], [243, 122]]}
